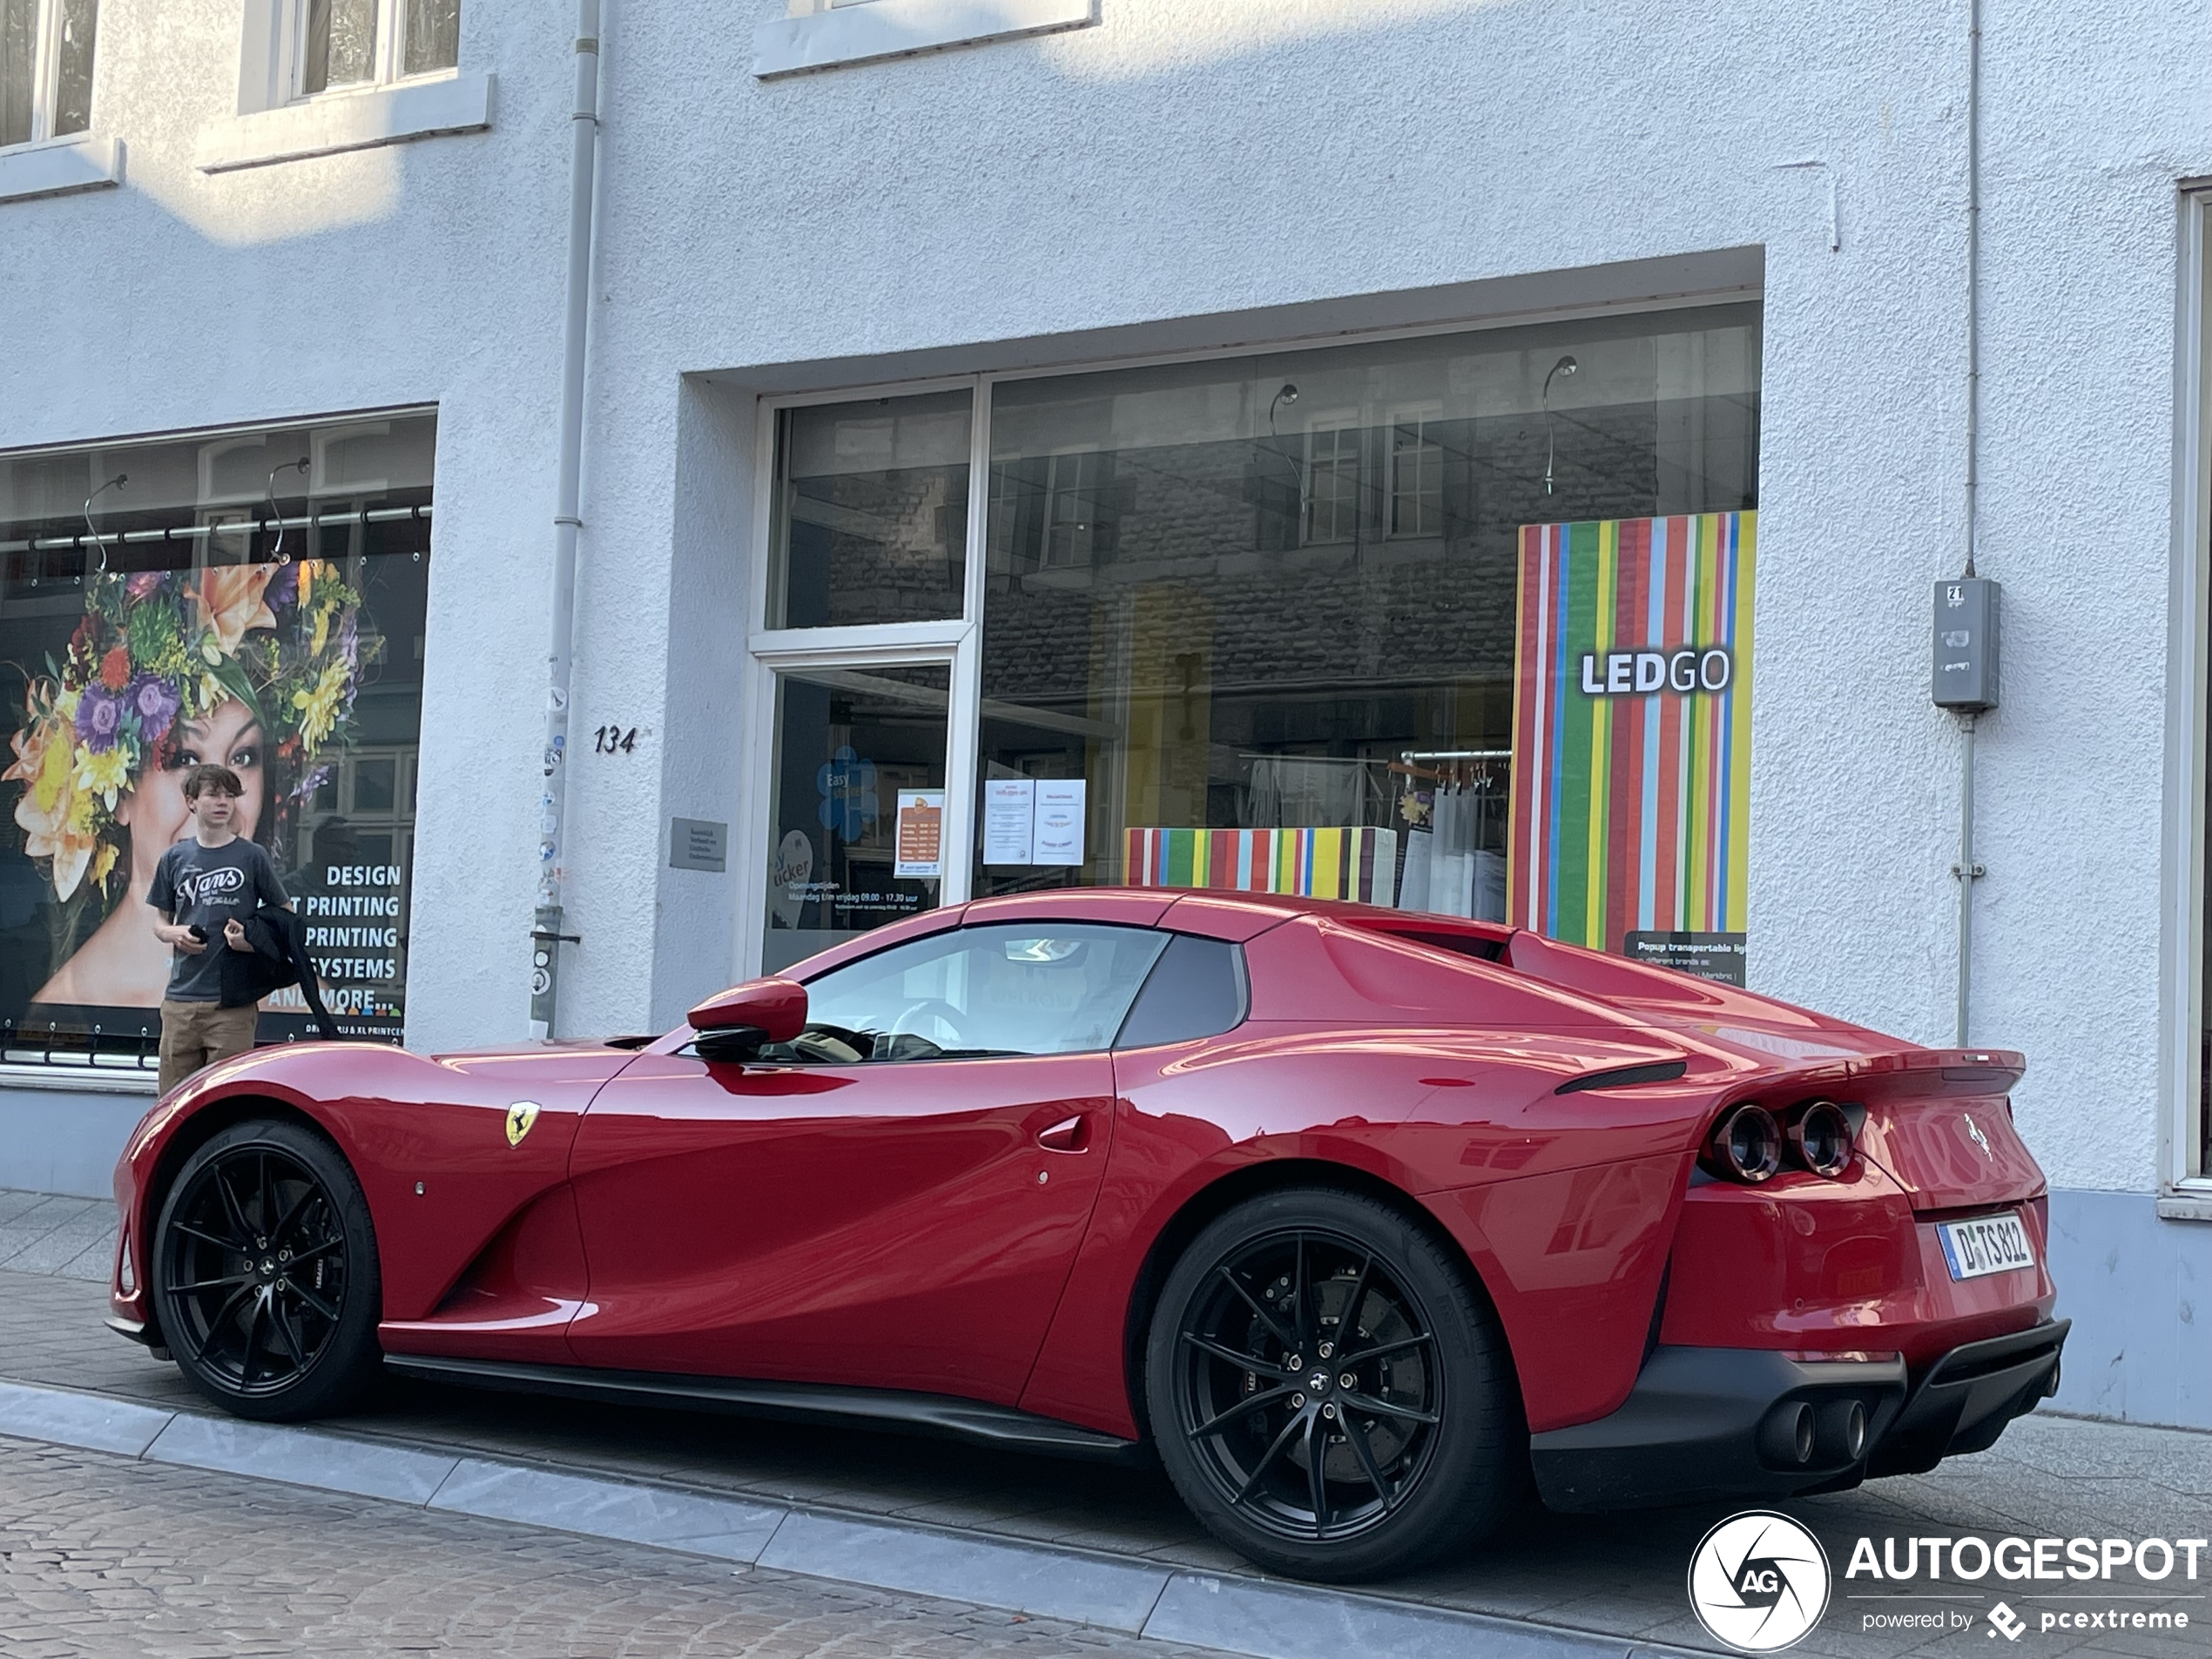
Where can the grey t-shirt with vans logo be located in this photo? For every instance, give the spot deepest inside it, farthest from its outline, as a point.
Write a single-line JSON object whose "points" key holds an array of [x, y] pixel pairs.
{"points": [[206, 887]]}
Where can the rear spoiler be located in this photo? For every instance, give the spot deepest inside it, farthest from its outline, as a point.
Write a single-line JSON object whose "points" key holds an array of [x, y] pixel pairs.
{"points": [[1902, 1074]]}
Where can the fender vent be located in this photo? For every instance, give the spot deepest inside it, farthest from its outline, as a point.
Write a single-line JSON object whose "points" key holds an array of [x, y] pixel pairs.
{"points": [[1656, 1071]]}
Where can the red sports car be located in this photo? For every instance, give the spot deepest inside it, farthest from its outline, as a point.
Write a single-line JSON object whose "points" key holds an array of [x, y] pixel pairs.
{"points": [[1356, 1218]]}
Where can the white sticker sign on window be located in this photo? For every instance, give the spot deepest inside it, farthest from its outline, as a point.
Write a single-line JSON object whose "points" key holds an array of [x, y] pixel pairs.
{"points": [[1059, 837], [1009, 820]]}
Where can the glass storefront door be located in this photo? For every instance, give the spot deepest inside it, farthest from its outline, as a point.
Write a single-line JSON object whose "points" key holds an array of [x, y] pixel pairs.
{"points": [[858, 820]]}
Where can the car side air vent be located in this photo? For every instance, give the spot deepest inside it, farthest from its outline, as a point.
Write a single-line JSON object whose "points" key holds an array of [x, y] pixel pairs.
{"points": [[1656, 1071]]}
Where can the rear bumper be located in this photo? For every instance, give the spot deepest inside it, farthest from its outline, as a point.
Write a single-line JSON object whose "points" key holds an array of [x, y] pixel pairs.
{"points": [[1711, 1422]]}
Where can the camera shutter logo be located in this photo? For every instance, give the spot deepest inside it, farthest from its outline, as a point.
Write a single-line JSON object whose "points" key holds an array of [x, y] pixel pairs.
{"points": [[1758, 1581]]}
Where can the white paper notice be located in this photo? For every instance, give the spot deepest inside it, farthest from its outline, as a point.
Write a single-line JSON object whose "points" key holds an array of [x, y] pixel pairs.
{"points": [[921, 841], [1060, 821], [1009, 820]]}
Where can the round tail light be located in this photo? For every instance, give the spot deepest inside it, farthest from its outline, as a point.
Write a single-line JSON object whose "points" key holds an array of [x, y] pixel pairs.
{"points": [[1746, 1144], [1820, 1139]]}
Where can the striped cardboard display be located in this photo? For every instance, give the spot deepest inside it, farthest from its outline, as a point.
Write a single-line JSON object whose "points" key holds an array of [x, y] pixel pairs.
{"points": [[1358, 862], [1631, 813]]}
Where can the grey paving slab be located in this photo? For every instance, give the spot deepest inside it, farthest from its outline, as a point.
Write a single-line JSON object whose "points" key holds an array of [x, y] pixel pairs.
{"points": [[62, 1243], [94, 1263], [14, 1205], [1283, 1622], [724, 1527], [1114, 1595], [91, 1421], [333, 1463]]}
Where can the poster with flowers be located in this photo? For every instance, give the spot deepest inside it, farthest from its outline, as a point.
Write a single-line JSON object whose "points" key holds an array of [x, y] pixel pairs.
{"points": [[116, 684]]}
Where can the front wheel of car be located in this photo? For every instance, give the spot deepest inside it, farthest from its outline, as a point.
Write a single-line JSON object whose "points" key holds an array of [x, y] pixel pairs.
{"points": [[1327, 1390], [265, 1273]]}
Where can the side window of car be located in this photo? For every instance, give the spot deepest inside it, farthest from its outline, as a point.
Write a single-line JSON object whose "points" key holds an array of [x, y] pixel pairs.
{"points": [[1195, 989], [971, 993]]}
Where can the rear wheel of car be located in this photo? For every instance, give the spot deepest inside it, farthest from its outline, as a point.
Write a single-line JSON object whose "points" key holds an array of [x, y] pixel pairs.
{"points": [[265, 1273], [1328, 1392]]}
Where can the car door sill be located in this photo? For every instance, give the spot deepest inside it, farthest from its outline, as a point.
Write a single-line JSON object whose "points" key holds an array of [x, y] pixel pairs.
{"points": [[915, 1414]]}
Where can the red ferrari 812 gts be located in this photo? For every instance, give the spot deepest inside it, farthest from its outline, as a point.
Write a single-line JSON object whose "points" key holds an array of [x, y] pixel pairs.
{"points": [[1358, 1220]]}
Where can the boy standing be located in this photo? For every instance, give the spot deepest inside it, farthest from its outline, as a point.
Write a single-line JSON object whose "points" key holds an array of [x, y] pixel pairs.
{"points": [[204, 890]]}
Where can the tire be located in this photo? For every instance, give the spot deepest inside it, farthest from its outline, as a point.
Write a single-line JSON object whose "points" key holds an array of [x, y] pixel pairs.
{"points": [[1421, 1455], [265, 1275]]}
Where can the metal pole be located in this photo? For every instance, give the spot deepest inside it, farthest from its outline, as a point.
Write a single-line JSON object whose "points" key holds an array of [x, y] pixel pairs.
{"points": [[1967, 870], [547, 935]]}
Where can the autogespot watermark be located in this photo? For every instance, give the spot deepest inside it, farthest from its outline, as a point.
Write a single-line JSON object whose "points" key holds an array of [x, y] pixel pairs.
{"points": [[2147, 1577], [1758, 1581], [1761, 1582]]}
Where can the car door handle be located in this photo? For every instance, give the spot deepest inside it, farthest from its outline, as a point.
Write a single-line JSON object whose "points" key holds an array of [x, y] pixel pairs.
{"points": [[1069, 1135]]}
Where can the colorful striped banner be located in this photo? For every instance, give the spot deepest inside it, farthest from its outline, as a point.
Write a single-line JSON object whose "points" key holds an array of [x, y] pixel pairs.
{"points": [[1631, 799], [1358, 862]]}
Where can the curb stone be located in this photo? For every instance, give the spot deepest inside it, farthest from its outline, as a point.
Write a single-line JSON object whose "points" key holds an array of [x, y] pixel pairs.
{"points": [[1262, 1618]]}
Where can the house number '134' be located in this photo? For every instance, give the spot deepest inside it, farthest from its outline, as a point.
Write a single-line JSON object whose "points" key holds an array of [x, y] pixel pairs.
{"points": [[614, 740]]}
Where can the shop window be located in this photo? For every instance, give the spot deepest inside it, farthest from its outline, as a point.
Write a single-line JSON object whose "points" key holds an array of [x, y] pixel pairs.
{"points": [[255, 599], [1394, 621], [46, 68], [870, 519], [353, 43]]}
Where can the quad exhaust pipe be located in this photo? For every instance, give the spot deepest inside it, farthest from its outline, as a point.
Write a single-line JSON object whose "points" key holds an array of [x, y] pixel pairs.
{"points": [[1798, 1434]]}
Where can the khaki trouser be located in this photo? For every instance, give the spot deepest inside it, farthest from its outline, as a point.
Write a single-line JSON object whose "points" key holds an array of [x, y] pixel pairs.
{"points": [[194, 1035]]}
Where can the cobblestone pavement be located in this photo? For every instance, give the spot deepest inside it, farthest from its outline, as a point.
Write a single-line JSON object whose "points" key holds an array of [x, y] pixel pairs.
{"points": [[2051, 1476], [102, 1557]]}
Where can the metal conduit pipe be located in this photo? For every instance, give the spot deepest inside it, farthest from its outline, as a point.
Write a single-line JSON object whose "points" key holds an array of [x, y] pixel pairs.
{"points": [[546, 934], [1967, 870]]}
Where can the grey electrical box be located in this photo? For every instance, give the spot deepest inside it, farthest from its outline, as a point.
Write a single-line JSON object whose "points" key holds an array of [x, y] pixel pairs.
{"points": [[1965, 644]]}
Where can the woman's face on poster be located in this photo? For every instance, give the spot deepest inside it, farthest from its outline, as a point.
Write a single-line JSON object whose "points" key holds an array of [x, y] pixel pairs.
{"points": [[155, 810]]}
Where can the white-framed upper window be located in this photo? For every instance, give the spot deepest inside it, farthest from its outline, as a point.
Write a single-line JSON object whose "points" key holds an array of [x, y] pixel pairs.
{"points": [[1416, 472], [1332, 478], [46, 68], [341, 44]]}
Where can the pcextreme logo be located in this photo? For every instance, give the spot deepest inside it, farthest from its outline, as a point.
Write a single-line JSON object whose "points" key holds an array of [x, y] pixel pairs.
{"points": [[1758, 1581]]}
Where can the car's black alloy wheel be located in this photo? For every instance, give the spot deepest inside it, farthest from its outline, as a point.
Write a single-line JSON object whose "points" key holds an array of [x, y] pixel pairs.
{"points": [[1326, 1391], [265, 1273]]}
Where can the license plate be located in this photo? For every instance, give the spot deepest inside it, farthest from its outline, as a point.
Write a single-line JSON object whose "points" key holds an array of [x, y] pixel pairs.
{"points": [[1983, 1245]]}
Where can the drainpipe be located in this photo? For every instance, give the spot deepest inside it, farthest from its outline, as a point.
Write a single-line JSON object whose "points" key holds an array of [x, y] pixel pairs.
{"points": [[1967, 870], [546, 934]]}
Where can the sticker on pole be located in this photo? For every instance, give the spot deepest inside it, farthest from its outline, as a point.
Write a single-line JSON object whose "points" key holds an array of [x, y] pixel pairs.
{"points": [[1758, 1581]]}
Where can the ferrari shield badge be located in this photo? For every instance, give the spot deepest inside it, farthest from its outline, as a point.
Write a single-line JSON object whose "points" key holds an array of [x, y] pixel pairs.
{"points": [[520, 1116]]}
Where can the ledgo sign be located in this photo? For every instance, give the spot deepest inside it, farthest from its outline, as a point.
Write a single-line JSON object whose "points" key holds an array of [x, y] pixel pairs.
{"points": [[1638, 673]]}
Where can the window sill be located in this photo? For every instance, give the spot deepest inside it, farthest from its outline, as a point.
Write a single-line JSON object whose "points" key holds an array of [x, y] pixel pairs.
{"points": [[59, 166], [83, 1079], [337, 122], [2185, 1206], [881, 28]]}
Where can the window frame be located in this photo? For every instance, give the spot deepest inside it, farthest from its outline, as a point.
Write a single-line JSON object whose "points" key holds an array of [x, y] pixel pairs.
{"points": [[389, 54], [45, 73], [2186, 1175]]}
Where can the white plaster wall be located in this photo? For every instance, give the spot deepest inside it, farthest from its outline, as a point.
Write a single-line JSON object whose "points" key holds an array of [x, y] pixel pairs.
{"points": [[426, 272], [1196, 157]]}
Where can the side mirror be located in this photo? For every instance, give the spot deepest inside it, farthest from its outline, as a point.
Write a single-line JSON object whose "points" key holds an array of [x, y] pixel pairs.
{"points": [[745, 1016]]}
